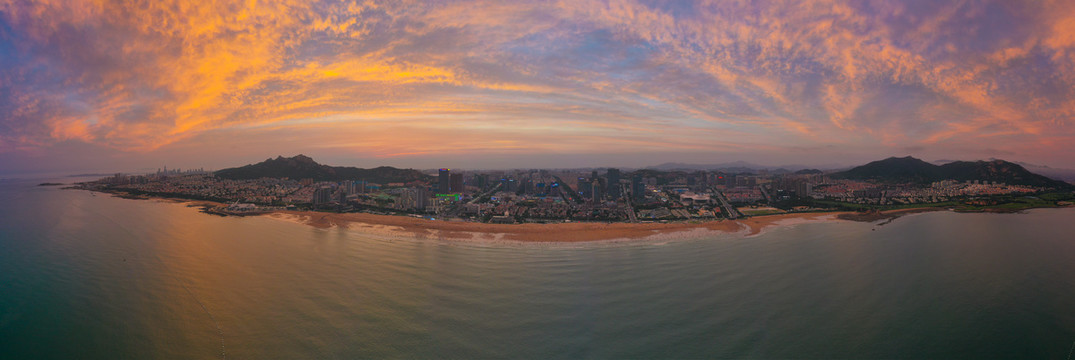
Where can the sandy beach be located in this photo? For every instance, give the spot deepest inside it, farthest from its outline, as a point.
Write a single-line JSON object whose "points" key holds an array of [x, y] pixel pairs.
{"points": [[556, 232], [396, 225], [457, 230]]}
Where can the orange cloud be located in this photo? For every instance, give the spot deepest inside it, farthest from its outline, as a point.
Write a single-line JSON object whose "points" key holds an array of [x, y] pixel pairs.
{"points": [[683, 76]]}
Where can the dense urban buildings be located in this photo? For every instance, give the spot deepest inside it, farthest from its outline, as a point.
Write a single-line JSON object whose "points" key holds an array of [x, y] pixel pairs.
{"points": [[526, 195]]}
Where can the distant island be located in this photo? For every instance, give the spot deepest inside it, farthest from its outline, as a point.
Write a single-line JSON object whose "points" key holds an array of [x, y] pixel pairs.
{"points": [[50, 184], [300, 188]]}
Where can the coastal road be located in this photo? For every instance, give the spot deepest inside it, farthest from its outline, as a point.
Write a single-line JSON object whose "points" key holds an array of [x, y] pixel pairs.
{"points": [[490, 192], [571, 192], [732, 212]]}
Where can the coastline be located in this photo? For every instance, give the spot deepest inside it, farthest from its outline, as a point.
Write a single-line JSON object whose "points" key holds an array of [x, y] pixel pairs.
{"points": [[553, 233], [570, 232], [577, 232], [886, 215]]}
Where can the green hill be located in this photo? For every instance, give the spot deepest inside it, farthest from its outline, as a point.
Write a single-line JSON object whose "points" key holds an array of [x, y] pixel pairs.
{"points": [[303, 167], [912, 170]]}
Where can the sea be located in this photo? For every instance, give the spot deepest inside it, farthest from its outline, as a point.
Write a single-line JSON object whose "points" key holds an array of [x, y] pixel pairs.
{"points": [[90, 276]]}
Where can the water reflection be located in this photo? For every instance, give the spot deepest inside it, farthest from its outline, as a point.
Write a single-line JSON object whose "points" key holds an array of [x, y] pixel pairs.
{"points": [[121, 278]]}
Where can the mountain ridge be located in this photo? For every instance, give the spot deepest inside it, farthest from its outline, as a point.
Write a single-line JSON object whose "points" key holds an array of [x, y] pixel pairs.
{"points": [[303, 167], [1058, 173], [910, 169]]}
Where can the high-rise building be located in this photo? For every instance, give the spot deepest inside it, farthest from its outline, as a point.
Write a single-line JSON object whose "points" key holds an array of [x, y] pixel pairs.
{"points": [[456, 183], [421, 198], [598, 194], [638, 189], [444, 182], [585, 188], [730, 180], [613, 183], [526, 186], [481, 181], [413, 198], [323, 195], [354, 187], [509, 185]]}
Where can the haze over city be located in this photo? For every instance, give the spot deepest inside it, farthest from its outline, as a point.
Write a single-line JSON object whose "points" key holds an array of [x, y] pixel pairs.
{"points": [[120, 85]]}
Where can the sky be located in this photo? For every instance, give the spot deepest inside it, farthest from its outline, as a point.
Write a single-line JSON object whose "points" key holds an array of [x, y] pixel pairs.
{"points": [[114, 85]]}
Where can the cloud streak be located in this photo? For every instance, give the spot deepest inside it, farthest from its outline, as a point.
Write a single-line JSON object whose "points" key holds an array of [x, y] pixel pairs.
{"points": [[545, 76]]}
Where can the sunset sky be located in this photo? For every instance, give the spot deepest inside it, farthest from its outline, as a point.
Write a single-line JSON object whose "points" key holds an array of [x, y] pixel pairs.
{"points": [[121, 85]]}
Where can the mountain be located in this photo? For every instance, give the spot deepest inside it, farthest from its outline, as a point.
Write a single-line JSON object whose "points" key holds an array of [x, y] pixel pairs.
{"points": [[894, 169], [1055, 173], [1052, 172], [303, 167], [1000, 171], [909, 169]]}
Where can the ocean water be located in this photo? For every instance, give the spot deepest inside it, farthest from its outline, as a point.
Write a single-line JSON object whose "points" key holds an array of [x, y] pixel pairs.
{"points": [[86, 276]]}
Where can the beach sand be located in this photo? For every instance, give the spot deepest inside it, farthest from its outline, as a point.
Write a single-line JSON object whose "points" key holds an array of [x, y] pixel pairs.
{"points": [[421, 228], [555, 232], [573, 232]]}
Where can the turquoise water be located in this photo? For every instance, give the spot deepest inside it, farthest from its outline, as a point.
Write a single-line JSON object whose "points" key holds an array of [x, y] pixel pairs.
{"points": [[96, 277]]}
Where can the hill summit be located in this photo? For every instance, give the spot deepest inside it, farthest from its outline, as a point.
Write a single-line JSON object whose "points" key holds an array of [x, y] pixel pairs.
{"points": [[304, 167], [909, 169]]}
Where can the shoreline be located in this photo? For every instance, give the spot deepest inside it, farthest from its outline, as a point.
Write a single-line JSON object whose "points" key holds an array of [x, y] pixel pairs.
{"points": [[569, 232], [573, 232]]}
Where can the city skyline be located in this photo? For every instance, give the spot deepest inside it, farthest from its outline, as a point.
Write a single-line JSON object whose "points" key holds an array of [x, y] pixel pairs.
{"points": [[116, 86], [533, 195]]}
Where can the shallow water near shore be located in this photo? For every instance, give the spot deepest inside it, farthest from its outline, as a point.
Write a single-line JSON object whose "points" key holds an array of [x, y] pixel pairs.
{"points": [[96, 277]]}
